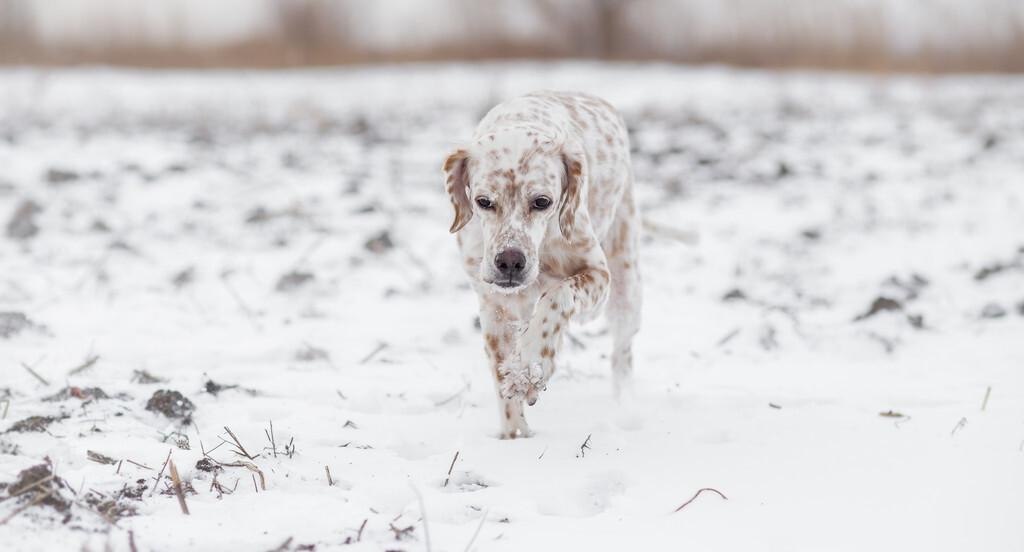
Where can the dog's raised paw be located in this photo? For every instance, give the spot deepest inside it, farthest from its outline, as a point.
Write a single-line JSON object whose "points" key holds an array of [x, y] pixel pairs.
{"points": [[515, 382]]}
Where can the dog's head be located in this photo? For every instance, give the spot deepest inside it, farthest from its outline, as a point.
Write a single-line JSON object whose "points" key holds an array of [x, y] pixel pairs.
{"points": [[521, 186]]}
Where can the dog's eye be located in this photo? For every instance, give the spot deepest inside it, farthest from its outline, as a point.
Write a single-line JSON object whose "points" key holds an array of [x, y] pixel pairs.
{"points": [[541, 203], [484, 203]]}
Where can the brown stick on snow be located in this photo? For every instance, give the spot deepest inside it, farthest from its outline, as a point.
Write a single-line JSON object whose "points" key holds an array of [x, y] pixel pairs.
{"points": [[239, 444], [270, 437], [450, 469], [380, 347], [160, 475], [130, 461], [86, 364], [330, 482], [249, 466], [694, 497], [33, 372], [585, 446], [177, 488]]}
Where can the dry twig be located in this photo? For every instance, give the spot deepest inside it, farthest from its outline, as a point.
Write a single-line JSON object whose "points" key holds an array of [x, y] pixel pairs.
{"points": [[89, 361], [33, 372], [450, 469], [380, 347], [694, 497], [251, 467], [423, 515], [99, 458], [270, 437], [476, 533], [177, 487], [585, 446], [160, 475], [453, 397], [143, 466], [241, 450]]}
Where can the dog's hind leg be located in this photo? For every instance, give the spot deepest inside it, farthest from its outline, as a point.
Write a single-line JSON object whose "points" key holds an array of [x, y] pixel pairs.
{"points": [[626, 296]]}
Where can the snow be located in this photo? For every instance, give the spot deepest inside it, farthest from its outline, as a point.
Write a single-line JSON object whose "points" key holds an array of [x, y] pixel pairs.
{"points": [[810, 196]]}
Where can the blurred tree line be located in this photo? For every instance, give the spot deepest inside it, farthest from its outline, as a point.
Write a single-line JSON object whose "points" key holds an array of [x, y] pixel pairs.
{"points": [[880, 35]]}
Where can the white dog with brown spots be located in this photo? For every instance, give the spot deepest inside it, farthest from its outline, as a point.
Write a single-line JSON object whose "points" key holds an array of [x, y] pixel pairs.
{"points": [[548, 229]]}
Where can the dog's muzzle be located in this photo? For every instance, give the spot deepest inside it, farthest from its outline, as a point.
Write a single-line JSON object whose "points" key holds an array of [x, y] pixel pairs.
{"points": [[510, 266]]}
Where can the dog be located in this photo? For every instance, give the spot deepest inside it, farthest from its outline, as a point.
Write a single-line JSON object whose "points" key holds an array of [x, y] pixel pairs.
{"points": [[548, 229]]}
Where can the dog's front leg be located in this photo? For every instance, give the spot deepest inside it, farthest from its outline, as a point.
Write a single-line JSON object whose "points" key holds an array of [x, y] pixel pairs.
{"points": [[576, 296], [501, 319]]}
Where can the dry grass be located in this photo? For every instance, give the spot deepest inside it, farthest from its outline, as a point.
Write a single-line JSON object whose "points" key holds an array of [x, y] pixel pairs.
{"points": [[754, 33]]}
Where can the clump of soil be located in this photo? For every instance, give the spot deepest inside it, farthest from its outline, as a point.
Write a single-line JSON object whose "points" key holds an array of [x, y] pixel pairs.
{"points": [[186, 488], [56, 176], [118, 505], [261, 215], [33, 424], [886, 304], [111, 508], [184, 277], [207, 465], [8, 448], [986, 272], [309, 353], [293, 280], [40, 483], [214, 388], [881, 304], [136, 492], [22, 224], [258, 215], [993, 310], [381, 243], [142, 376], [734, 294], [81, 393], [13, 323], [171, 404]]}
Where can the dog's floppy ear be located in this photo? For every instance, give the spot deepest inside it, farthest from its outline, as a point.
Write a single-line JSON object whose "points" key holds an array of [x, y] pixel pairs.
{"points": [[571, 193], [456, 172]]}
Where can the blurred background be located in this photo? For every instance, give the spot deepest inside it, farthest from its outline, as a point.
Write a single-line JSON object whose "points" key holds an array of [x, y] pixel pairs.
{"points": [[877, 35]]}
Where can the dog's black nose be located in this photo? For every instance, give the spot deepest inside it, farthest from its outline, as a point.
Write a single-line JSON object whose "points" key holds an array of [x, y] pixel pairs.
{"points": [[510, 262]]}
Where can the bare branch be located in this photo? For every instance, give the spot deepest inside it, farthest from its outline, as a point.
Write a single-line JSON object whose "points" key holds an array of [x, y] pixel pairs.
{"points": [[450, 469], [694, 497], [177, 487]]}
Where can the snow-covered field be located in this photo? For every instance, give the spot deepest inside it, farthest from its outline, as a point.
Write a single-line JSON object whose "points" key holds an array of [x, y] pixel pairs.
{"points": [[840, 352]]}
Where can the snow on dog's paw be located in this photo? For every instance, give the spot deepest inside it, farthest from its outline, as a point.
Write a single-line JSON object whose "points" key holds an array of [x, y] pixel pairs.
{"points": [[536, 381], [525, 383], [515, 381]]}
